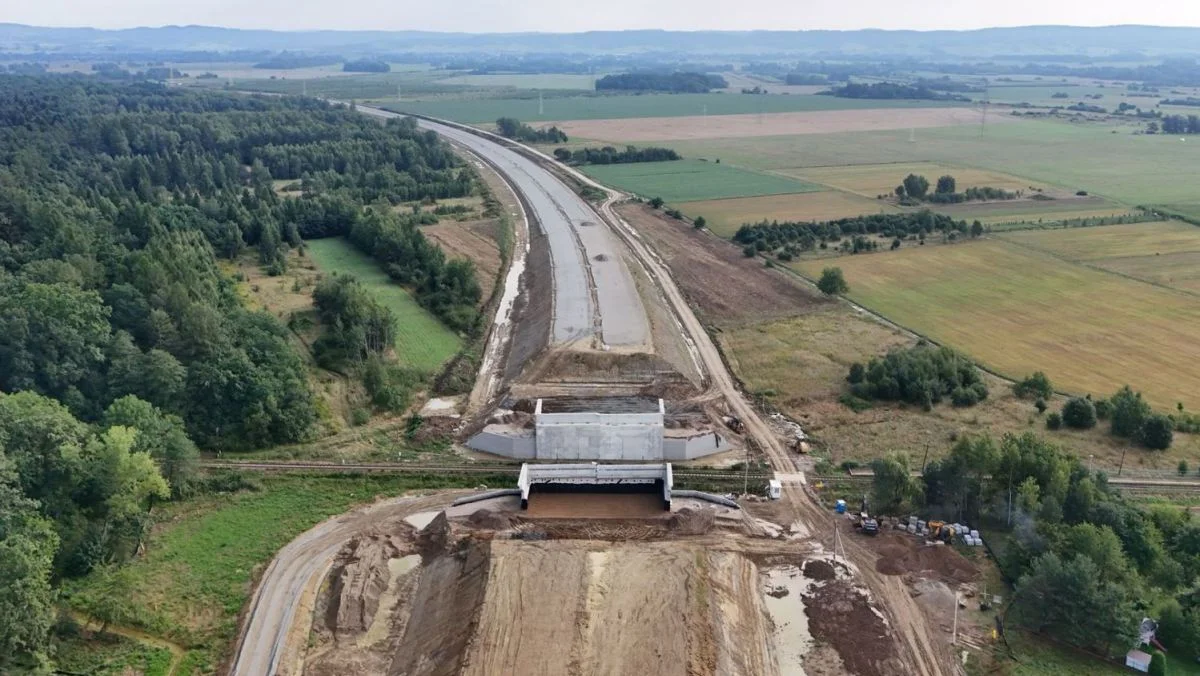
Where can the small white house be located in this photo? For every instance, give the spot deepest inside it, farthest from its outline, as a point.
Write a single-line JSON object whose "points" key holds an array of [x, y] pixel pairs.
{"points": [[774, 489], [1136, 659]]}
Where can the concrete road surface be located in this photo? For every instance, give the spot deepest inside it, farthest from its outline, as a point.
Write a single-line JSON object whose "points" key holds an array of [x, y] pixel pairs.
{"points": [[584, 252]]}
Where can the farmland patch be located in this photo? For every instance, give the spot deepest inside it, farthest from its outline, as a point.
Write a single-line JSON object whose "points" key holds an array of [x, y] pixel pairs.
{"points": [[1018, 310], [687, 180], [694, 127], [870, 180]]}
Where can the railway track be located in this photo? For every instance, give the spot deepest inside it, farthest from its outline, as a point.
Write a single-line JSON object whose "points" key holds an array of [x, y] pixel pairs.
{"points": [[1127, 486], [396, 468]]}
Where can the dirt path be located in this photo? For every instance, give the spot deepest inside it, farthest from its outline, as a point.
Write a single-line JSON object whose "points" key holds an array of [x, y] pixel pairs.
{"points": [[277, 624], [177, 651]]}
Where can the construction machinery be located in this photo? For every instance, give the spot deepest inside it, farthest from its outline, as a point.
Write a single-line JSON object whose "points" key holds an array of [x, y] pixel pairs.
{"points": [[865, 523]]}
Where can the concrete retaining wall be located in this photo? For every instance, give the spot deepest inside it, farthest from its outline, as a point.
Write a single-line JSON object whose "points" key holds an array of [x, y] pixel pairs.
{"points": [[690, 448], [507, 445], [599, 436]]}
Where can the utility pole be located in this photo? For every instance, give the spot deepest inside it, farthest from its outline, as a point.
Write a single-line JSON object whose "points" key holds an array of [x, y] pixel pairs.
{"points": [[541, 108], [954, 636], [746, 474]]}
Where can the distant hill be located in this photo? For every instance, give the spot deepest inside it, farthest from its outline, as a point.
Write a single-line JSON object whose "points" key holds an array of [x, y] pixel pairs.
{"points": [[1049, 42]]}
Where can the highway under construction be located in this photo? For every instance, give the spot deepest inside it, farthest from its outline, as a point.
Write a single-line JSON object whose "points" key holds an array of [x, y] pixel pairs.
{"points": [[579, 567]]}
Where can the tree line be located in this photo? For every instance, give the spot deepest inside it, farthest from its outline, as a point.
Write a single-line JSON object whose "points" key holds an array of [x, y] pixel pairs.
{"points": [[806, 236], [1087, 565], [1129, 415], [519, 131], [1177, 124], [890, 90], [915, 189], [677, 82], [610, 155], [367, 66]]}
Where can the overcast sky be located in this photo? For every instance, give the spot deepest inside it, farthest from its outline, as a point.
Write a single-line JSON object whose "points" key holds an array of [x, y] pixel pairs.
{"points": [[572, 16]]}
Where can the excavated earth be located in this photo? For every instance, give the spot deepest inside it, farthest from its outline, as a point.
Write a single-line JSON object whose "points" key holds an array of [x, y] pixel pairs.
{"points": [[686, 593]]}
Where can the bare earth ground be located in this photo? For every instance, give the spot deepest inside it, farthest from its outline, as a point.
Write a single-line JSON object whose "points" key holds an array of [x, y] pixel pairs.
{"points": [[693, 127], [725, 287], [499, 592], [474, 241]]}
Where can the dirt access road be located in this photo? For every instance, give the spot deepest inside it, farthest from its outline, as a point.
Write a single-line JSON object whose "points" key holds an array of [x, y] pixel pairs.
{"points": [[280, 614]]}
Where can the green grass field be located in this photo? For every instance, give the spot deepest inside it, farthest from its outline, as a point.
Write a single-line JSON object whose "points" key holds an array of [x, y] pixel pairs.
{"points": [[1018, 310], [194, 576], [687, 180], [421, 340], [1129, 169], [609, 106]]}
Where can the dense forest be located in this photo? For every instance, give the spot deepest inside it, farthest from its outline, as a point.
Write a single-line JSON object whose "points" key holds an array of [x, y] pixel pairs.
{"points": [[1087, 565], [680, 82], [367, 66], [610, 155], [115, 203], [123, 346], [294, 60]]}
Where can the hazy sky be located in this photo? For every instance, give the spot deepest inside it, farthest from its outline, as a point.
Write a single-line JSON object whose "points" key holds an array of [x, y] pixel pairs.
{"points": [[571, 16]]}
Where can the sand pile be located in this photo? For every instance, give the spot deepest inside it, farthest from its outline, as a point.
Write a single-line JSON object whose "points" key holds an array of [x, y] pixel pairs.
{"points": [[488, 520], [689, 521]]}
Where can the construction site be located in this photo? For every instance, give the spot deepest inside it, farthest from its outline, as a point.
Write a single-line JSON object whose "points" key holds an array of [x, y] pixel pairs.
{"points": [[597, 585], [598, 375]]}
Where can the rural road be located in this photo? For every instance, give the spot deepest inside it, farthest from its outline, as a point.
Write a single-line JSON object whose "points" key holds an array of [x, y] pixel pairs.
{"points": [[594, 293], [289, 583]]}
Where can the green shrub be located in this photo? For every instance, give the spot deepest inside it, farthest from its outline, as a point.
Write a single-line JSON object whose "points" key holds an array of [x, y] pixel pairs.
{"points": [[1034, 385], [856, 404], [1054, 421], [1158, 664], [1157, 432], [1079, 413], [922, 375], [1040, 405]]}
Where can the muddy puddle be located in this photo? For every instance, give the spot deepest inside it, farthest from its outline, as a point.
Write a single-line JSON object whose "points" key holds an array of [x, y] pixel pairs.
{"points": [[784, 588]]}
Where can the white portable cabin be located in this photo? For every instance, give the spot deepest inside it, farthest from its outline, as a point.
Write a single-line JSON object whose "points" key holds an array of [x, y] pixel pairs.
{"points": [[774, 489]]}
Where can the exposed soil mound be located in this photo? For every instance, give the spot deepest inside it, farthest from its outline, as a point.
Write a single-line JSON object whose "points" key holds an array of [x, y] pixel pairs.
{"points": [[688, 521], [486, 519], [900, 554], [363, 579], [433, 538], [841, 616], [819, 570], [443, 613]]}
